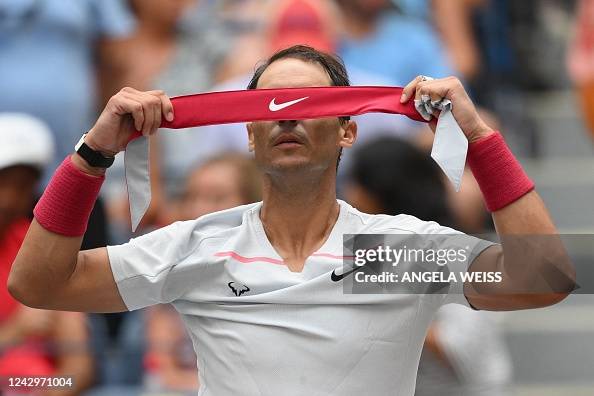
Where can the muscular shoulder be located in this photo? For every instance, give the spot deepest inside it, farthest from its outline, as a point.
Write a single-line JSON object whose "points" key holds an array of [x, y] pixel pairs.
{"points": [[221, 221], [401, 223], [185, 237], [222, 224]]}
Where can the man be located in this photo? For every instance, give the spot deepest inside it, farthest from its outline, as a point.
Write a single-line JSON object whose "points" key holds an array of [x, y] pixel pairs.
{"points": [[260, 287]]}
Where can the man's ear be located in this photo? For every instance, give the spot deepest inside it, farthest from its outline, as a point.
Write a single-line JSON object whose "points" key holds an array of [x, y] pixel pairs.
{"points": [[250, 132], [348, 134]]}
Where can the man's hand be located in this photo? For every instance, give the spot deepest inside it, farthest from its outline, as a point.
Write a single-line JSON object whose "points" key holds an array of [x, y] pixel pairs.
{"points": [[463, 109], [125, 112]]}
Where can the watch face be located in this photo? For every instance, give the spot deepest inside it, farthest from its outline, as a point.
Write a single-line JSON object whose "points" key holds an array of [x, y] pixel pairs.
{"points": [[80, 142]]}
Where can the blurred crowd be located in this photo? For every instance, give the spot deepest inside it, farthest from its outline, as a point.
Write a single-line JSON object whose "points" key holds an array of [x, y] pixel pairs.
{"points": [[61, 60]]}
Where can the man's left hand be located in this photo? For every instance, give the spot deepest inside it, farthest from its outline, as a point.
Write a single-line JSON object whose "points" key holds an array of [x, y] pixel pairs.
{"points": [[463, 109]]}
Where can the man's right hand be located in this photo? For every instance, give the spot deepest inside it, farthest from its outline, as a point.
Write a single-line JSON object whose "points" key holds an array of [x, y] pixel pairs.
{"points": [[127, 111], [70, 279]]}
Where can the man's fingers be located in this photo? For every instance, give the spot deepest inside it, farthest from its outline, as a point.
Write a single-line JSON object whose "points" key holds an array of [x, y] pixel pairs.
{"points": [[149, 115], [409, 90], [166, 106], [133, 107], [147, 108], [156, 105], [153, 104], [433, 91]]}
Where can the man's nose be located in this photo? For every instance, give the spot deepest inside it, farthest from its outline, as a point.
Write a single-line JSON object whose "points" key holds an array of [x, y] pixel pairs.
{"points": [[288, 124]]}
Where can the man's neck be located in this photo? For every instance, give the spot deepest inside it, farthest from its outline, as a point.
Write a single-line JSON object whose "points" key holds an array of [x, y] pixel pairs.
{"points": [[298, 215]]}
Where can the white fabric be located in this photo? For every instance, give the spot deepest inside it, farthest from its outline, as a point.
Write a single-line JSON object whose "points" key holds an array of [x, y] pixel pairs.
{"points": [[450, 145], [138, 179], [290, 333]]}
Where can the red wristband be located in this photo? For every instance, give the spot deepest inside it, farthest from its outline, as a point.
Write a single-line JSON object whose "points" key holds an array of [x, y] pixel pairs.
{"points": [[66, 204], [498, 173]]}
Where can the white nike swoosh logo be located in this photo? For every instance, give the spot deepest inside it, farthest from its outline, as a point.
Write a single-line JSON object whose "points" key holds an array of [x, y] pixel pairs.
{"points": [[276, 107]]}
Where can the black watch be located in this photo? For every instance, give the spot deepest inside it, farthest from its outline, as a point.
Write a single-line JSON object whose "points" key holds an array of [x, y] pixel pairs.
{"points": [[93, 158]]}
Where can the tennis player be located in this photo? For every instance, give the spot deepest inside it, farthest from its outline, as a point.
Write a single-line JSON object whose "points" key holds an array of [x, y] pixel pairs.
{"points": [[260, 287]]}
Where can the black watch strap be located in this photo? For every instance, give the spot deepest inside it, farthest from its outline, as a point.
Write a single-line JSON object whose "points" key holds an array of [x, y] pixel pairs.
{"points": [[94, 158]]}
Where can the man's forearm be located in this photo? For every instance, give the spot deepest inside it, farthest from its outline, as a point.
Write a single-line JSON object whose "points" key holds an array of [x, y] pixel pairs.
{"points": [[49, 254], [532, 259], [527, 215]]}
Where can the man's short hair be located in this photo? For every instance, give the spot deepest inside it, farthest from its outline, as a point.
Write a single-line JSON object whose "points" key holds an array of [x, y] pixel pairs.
{"points": [[333, 65]]}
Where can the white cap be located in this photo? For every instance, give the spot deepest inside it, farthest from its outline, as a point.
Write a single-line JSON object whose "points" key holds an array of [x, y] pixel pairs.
{"points": [[24, 140]]}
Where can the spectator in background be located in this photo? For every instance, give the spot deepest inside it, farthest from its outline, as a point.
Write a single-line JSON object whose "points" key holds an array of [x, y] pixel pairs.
{"points": [[464, 354], [248, 21], [453, 20], [178, 48], [222, 182], [49, 54], [32, 342], [581, 60], [379, 40]]}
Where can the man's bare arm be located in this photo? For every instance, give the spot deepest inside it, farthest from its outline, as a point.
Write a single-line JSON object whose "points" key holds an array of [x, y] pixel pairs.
{"points": [[535, 267], [49, 271], [530, 249]]}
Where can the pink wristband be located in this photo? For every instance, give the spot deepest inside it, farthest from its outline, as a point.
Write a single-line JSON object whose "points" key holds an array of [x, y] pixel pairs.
{"points": [[66, 204], [498, 173]]}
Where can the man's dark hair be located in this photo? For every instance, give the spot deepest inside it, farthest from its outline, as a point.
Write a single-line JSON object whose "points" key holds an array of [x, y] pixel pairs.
{"points": [[402, 179], [333, 65]]}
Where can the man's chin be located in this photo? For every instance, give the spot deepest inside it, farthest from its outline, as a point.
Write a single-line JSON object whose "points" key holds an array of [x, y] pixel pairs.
{"points": [[291, 164]]}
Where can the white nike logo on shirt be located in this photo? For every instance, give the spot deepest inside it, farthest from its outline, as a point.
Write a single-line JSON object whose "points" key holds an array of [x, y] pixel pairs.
{"points": [[276, 107]]}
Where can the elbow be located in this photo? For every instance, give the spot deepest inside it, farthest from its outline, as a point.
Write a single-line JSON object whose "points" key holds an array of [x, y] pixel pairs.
{"points": [[15, 288], [545, 300], [21, 293]]}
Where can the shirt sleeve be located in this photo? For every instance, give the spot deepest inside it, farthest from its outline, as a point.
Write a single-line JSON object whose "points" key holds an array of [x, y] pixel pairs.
{"points": [[143, 266], [474, 247], [438, 237]]}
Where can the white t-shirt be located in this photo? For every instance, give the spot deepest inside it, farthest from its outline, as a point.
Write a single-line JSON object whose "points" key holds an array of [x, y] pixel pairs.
{"points": [[260, 329]]}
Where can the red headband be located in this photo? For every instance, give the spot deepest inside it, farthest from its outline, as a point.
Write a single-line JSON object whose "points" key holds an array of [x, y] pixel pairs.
{"points": [[258, 105], [215, 108]]}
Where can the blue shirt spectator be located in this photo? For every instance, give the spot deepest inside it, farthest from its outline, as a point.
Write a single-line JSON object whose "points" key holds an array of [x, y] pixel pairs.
{"points": [[400, 49], [47, 61], [414, 8]]}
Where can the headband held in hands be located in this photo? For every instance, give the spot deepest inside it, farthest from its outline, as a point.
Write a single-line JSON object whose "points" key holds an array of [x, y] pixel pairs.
{"points": [[269, 105]]}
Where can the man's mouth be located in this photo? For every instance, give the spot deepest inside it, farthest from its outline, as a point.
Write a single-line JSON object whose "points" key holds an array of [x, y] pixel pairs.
{"points": [[287, 141]]}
